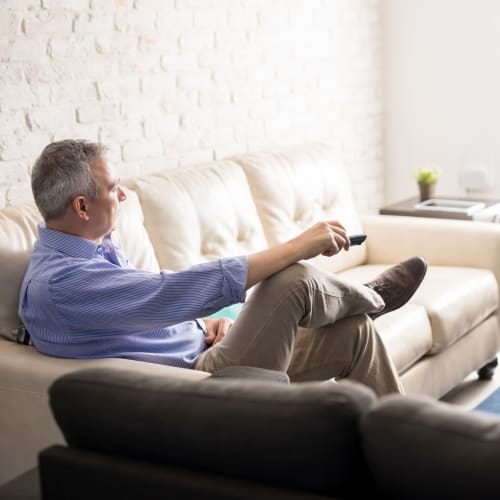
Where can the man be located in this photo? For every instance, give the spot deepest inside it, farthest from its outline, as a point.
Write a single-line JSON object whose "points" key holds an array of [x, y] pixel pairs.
{"points": [[81, 299]]}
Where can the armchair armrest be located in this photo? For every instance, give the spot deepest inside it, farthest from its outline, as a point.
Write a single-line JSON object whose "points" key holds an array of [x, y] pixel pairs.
{"points": [[443, 242], [435, 451]]}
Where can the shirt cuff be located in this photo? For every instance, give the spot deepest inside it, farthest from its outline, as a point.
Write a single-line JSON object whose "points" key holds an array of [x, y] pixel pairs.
{"points": [[202, 325], [235, 271]]}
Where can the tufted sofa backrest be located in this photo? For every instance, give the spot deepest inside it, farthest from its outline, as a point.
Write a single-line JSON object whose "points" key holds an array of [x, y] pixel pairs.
{"points": [[297, 186], [199, 213]]}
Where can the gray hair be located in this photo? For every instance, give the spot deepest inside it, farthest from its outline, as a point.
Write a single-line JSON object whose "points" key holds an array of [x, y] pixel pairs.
{"points": [[63, 171]]}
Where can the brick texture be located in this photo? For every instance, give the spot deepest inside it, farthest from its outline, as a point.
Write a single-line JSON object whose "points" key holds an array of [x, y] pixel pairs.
{"points": [[167, 83]]}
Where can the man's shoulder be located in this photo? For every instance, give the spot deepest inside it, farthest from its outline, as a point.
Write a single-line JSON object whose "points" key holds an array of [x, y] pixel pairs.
{"points": [[47, 262]]}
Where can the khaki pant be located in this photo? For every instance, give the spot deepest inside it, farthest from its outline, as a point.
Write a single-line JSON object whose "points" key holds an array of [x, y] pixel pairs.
{"points": [[311, 324]]}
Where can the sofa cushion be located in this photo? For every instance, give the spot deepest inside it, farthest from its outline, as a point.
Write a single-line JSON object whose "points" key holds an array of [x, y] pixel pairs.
{"points": [[199, 214], [299, 186], [456, 298], [301, 436], [131, 235], [421, 448], [407, 334]]}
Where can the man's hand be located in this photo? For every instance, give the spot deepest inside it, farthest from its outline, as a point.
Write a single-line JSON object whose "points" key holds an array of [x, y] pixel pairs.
{"points": [[327, 238], [216, 329]]}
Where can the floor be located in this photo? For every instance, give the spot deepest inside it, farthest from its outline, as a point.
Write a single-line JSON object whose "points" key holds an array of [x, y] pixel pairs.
{"points": [[472, 390]]}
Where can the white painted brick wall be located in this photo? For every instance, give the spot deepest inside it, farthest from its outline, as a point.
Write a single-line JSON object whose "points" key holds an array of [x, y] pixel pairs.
{"points": [[166, 83]]}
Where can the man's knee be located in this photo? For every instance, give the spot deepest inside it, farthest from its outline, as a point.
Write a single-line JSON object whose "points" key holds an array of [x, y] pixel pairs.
{"points": [[293, 276], [292, 284]]}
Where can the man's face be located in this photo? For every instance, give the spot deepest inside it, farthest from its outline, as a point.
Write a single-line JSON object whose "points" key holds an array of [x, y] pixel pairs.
{"points": [[103, 210]]}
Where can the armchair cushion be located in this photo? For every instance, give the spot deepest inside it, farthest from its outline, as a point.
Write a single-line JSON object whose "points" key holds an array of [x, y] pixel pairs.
{"points": [[298, 436]]}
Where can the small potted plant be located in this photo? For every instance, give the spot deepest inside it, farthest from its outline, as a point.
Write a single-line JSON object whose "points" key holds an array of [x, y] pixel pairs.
{"points": [[427, 178]]}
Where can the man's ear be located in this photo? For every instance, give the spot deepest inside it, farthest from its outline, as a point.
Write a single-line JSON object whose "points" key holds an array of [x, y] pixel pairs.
{"points": [[79, 206]]}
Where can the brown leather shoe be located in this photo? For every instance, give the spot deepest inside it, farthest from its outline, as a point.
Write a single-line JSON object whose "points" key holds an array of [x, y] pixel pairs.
{"points": [[397, 284]]}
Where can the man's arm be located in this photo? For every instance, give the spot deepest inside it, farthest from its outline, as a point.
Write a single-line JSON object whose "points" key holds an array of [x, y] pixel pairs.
{"points": [[326, 238]]}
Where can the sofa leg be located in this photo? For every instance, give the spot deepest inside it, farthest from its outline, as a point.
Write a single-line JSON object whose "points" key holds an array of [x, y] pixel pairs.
{"points": [[486, 372]]}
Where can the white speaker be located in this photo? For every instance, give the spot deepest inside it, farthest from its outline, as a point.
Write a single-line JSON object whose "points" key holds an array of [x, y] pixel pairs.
{"points": [[476, 179]]}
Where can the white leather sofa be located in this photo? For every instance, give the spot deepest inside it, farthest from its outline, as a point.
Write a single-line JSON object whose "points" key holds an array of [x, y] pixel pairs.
{"points": [[180, 217]]}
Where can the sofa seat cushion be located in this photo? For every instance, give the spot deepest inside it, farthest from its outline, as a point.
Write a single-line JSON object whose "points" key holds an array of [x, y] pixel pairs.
{"points": [[200, 213], [456, 299], [407, 335]]}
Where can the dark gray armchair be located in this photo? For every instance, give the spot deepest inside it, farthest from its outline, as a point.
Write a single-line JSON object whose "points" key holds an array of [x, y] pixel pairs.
{"points": [[248, 434]]}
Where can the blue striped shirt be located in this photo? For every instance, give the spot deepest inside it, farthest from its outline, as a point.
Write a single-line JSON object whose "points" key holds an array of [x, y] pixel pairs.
{"points": [[80, 299]]}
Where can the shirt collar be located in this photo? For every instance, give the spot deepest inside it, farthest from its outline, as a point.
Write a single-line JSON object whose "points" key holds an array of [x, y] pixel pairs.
{"points": [[73, 246]]}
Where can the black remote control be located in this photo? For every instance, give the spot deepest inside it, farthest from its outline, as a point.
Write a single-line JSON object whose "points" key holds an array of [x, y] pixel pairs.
{"points": [[357, 239]]}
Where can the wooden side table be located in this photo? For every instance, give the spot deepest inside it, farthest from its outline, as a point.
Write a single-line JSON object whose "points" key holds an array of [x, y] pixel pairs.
{"points": [[407, 207]]}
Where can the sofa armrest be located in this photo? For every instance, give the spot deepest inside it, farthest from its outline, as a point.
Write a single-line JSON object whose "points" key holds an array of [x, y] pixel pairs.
{"points": [[420, 448], [443, 242]]}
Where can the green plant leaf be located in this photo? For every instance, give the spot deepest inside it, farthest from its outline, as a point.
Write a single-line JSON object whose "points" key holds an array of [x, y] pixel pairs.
{"points": [[428, 175]]}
